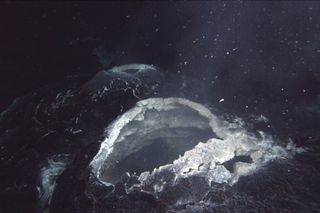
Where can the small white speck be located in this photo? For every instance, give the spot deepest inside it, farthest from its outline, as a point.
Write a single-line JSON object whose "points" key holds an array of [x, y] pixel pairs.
{"points": [[228, 52], [304, 91], [247, 106], [185, 63], [221, 100], [157, 30]]}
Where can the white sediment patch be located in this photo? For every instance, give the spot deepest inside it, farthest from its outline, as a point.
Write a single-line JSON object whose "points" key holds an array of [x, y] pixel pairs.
{"points": [[125, 77], [49, 172]]}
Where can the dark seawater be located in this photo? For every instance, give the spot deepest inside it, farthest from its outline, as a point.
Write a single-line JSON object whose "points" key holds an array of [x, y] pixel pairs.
{"points": [[258, 61]]}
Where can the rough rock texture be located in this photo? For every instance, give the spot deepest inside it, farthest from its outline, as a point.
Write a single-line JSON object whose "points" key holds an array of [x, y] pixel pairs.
{"points": [[156, 118]]}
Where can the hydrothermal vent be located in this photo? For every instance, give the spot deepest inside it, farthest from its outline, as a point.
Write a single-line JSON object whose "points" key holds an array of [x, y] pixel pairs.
{"points": [[152, 134], [150, 138]]}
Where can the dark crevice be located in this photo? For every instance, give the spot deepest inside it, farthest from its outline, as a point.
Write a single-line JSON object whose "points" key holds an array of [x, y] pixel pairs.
{"points": [[241, 158]]}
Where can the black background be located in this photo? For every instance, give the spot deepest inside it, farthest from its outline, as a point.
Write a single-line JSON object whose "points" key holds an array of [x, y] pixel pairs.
{"points": [[268, 51]]}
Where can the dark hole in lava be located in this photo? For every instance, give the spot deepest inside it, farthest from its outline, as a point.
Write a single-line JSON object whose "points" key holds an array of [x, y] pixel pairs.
{"points": [[241, 158], [158, 152]]}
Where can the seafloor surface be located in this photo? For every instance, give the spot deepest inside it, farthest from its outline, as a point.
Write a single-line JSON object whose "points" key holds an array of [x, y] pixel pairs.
{"points": [[160, 107]]}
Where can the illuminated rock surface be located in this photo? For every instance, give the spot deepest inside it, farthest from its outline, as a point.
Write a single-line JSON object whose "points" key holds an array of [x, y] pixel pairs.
{"points": [[119, 143], [165, 119]]}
